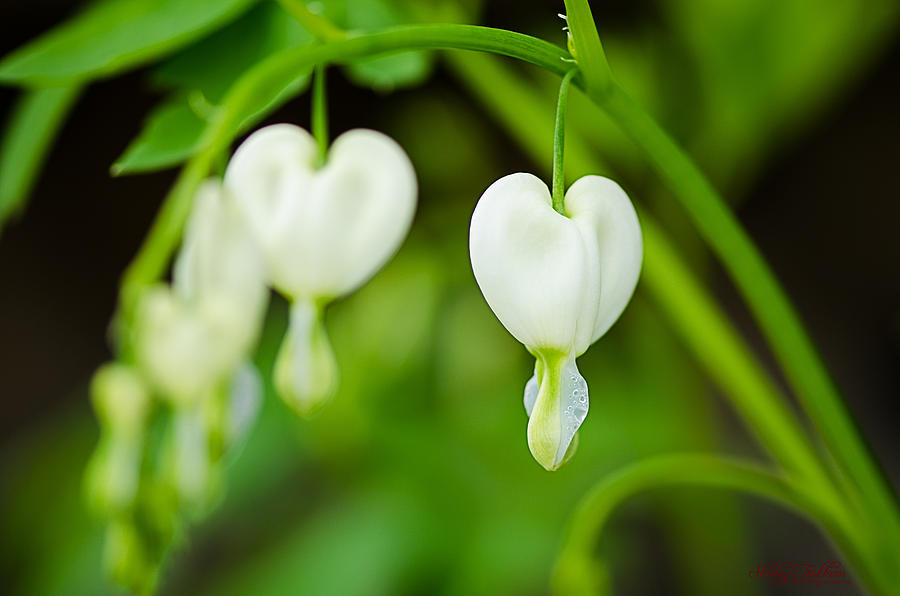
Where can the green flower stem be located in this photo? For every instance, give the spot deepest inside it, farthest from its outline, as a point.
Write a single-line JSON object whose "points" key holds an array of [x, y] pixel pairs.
{"points": [[559, 145], [576, 572], [320, 113]]}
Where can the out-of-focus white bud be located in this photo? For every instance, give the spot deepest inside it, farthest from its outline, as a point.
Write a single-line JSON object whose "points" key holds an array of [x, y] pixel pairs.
{"points": [[190, 338], [324, 232], [557, 284], [122, 403]]}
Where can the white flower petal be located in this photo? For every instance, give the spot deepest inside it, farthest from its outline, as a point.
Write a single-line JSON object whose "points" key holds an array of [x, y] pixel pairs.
{"points": [[266, 175], [605, 215], [176, 348], [531, 393], [529, 262], [325, 231], [220, 257]]}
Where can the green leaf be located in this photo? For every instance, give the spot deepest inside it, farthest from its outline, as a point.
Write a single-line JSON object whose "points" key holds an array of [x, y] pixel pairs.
{"points": [[383, 73], [213, 64], [29, 135], [114, 35], [200, 77], [170, 136]]}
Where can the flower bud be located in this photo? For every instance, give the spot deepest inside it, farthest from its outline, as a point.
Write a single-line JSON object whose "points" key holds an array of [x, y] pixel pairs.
{"points": [[557, 283], [122, 403]]}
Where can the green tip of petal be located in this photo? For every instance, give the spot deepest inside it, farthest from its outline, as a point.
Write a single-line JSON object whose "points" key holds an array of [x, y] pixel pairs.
{"points": [[557, 403]]}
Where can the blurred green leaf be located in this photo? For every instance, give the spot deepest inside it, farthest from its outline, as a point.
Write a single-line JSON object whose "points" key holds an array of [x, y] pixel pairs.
{"points": [[201, 75], [169, 136], [212, 65], [27, 140], [765, 69], [384, 73], [114, 35]]}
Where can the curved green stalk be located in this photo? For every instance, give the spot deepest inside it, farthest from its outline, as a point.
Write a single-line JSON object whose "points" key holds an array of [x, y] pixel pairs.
{"points": [[576, 573]]}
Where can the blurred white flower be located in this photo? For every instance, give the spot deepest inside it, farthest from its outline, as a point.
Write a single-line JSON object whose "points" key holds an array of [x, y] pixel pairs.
{"points": [[557, 284], [324, 232], [190, 338]]}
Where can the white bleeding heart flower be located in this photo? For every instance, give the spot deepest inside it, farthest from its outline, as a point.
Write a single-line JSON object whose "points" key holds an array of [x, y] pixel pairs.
{"points": [[557, 283], [191, 337], [324, 232]]}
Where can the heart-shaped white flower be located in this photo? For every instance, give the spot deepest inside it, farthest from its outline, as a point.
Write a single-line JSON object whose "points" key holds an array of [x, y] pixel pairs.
{"points": [[324, 231], [557, 284], [191, 337]]}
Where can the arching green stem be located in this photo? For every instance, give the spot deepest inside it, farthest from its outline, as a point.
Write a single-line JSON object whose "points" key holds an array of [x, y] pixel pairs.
{"points": [[559, 145]]}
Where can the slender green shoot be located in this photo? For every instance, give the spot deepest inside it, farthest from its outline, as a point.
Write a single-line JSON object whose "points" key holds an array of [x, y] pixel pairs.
{"points": [[559, 145], [320, 113]]}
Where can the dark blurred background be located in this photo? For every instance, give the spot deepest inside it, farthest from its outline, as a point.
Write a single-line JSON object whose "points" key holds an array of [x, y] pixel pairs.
{"points": [[820, 198]]}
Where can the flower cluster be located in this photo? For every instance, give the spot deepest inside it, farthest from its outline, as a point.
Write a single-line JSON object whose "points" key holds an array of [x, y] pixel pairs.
{"points": [[279, 219], [315, 230]]}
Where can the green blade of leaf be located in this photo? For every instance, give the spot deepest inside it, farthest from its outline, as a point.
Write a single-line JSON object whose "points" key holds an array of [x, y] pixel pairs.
{"points": [[203, 73], [384, 73], [28, 137], [170, 136], [114, 35], [213, 64]]}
